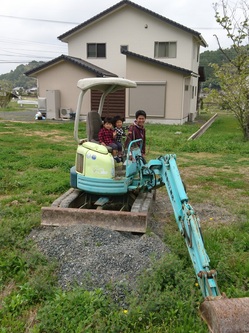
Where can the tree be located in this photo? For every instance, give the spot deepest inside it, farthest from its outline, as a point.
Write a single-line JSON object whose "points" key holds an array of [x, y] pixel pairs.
{"points": [[17, 77], [5, 93], [233, 76], [214, 57]]}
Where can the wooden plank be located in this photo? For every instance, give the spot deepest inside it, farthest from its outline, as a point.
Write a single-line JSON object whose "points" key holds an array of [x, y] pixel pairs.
{"points": [[203, 128]]}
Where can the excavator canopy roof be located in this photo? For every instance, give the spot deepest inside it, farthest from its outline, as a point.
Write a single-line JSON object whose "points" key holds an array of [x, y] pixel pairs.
{"points": [[104, 83]]}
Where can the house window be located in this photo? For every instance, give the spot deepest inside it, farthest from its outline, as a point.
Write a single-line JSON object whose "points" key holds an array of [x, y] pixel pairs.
{"points": [[165, 50], [96, 50], [123, 48]]}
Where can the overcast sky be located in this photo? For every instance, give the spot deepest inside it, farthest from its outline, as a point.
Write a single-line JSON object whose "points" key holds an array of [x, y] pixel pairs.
{"points": [[29, 29]]}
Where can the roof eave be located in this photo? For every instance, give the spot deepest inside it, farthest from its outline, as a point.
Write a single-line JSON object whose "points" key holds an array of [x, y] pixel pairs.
{"points": [[100, 72], [202, 41], [68, 34], [65, 37], [159, 63]]}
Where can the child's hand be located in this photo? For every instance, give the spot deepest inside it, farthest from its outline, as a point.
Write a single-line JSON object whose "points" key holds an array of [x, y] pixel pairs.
{"points": [[114, 134], [103, 144]]}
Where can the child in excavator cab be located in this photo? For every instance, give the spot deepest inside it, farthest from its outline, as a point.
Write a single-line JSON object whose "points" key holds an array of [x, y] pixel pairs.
{"points": [[107, 137], [120, 134]]}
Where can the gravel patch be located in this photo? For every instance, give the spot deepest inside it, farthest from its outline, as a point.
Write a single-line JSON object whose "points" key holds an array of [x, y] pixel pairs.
{"points": [[94, 257]]}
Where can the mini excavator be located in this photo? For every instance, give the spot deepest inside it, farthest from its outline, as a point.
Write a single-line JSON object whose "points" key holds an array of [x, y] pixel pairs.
{"points": [[96, 174]]}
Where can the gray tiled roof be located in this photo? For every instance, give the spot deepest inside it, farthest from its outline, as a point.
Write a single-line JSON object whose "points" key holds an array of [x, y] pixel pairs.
{"points": [[100, 72], [130, 3], [157, 62]]}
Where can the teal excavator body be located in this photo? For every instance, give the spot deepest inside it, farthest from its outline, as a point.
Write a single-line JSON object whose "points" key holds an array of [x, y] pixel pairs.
{"points": [[96, 173]]}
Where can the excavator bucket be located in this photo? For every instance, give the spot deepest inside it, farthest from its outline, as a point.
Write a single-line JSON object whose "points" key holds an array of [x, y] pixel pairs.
{"points": [[66, 211], [226, 315]]}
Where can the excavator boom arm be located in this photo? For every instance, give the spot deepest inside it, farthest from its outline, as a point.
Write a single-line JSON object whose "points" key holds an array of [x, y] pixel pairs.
{"points": [[165, 172]]}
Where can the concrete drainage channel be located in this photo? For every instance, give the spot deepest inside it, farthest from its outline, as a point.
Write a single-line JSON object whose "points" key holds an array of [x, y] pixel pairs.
{"points": [[65, 211]]}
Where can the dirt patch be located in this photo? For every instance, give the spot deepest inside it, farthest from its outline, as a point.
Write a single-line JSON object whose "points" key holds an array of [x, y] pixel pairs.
{"points": [[208, 213], [52, 135], [22, 115], [6, 291]]}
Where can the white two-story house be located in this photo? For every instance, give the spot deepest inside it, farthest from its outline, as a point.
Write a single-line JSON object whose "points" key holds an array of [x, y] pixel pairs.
{"points": [[130, 41]]}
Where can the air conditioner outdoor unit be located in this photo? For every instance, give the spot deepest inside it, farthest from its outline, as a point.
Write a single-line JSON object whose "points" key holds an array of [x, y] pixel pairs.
{"points": [[65, 113]]}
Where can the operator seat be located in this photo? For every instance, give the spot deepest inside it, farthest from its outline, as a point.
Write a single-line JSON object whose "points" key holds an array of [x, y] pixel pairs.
{"points": [[93, 126]]}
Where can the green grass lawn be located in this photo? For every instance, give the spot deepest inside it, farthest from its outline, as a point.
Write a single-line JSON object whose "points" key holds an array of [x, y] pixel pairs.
{"points": [[34, 170]]}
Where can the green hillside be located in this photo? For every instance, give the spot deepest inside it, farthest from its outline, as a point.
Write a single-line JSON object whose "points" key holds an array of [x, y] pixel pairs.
{"points": [[214, 57], [16, 77]]}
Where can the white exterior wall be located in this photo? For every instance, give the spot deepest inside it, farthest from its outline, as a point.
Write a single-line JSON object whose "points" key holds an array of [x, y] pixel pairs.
{"points": [[195, 56], [140, 71], [127, 27], [64, 77], [193, 100], [139, 30]]}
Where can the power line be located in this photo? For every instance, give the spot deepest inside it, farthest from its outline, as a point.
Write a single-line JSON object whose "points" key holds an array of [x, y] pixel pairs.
{"points": [[22, 41], [37, 19], [77, 23], [11, 53], [20, 61], [25, 55], [206, 28]]}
